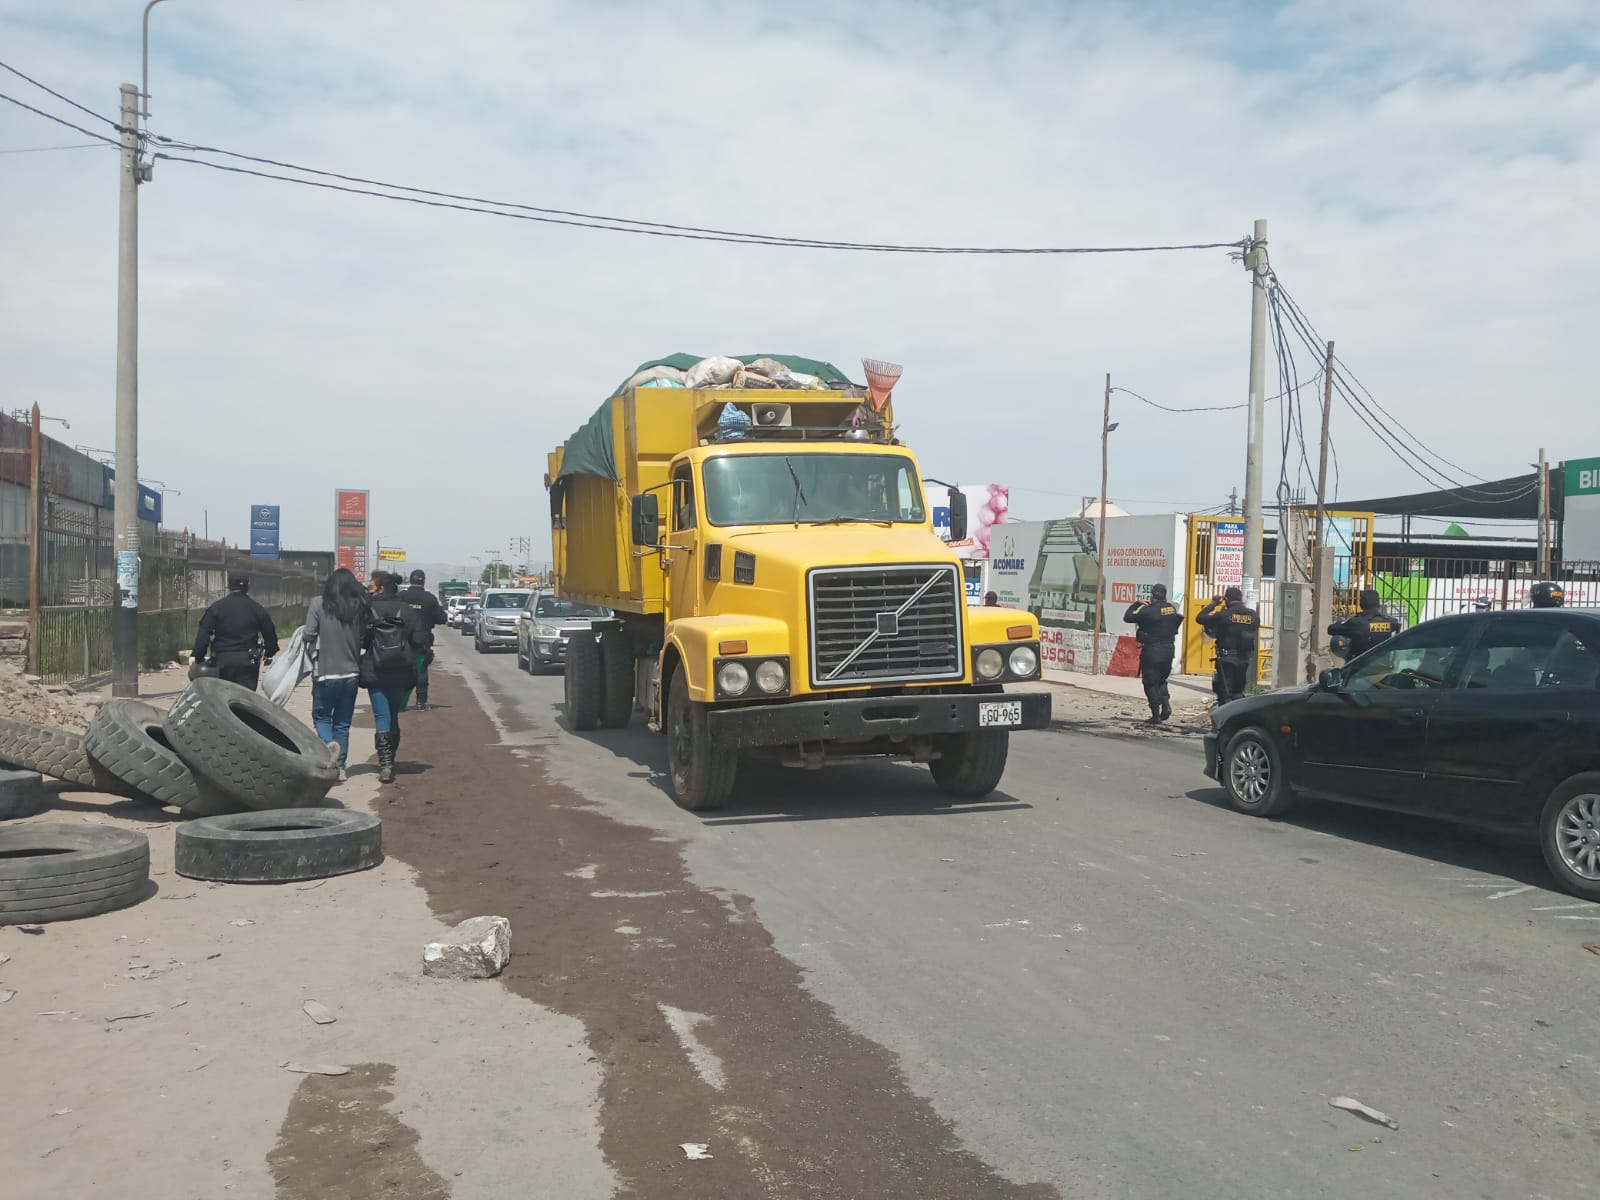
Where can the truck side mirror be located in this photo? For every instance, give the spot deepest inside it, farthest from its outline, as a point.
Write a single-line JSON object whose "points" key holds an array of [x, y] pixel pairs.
{"points": [[645, 514], [958, 515]]}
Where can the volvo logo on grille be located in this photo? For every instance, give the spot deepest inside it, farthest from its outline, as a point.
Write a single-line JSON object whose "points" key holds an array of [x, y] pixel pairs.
{"points": [[888, 624]]}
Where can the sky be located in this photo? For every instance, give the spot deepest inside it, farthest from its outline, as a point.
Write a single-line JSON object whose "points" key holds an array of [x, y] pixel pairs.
{"points": [[1430, 171]]}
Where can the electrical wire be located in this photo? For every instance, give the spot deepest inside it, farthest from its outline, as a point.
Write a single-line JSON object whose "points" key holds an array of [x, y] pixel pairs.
{"points": [[42, 149], [1206, 407], [61, 120], [83, 108]]}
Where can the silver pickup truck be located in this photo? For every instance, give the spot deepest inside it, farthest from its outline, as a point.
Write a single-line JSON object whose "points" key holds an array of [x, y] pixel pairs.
{"points": [[547, 623]]}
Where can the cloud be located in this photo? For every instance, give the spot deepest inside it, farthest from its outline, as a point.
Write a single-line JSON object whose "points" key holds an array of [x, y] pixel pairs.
{"points": [[1429, 171]]}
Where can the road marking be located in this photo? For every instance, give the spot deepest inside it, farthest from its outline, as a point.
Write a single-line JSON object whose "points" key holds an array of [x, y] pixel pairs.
{"points": [[1578, 918], [706, 1064], [607, 894], [1516, 891], [1561, 907]]}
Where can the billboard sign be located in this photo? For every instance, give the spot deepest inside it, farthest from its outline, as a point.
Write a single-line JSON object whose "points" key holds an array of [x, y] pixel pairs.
{"points": [[264, 530], [391, 554], [1580, 523], [351, 515], [150, 500], [1227, 554], [987, 504]]}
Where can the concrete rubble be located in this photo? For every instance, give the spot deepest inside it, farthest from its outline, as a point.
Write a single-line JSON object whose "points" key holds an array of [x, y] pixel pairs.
{"points": [[478, 948]]}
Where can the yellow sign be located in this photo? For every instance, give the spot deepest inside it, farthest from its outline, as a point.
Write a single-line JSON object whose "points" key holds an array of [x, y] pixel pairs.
{"points": [[390, 554]]}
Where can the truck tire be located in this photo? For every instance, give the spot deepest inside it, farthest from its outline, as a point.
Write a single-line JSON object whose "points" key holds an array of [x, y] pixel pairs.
{"points": [[62, 872], [21, 794], [53, 753], [278, 845], [702, 779], [616, 680], [970, 765], [583, 684], [244, 746], [126, 741]]}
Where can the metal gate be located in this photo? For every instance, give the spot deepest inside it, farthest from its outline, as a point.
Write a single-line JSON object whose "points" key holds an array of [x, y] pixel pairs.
{"points": [[1215, 563]]}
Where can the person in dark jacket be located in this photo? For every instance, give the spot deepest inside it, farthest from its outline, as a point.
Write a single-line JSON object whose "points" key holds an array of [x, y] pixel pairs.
{"points": [[1234, 625], [1368, 628], [1547, 595], [1157, 624], [432, 614], [237, 635], [335, 628], [991, 600], [387, 679]]}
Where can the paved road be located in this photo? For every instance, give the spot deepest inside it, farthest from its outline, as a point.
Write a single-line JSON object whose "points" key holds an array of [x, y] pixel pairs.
{"points": [[1108, 982]]}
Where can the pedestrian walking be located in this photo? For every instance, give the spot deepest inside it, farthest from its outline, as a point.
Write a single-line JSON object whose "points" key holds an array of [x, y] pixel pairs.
{"points": [[237, 635], [336, 627], [394, 638], [1157, 623], [1547, 595], [1234, 625], [1368, 628], [432, 614]]}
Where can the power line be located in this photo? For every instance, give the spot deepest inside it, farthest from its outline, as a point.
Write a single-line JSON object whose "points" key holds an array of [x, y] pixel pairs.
{"points": [[43, 149], [83, 108], [60, 120], [1206, 407]]}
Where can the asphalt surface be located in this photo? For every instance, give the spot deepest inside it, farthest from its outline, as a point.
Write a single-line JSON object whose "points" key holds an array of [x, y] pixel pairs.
{"points": [[1104, 980]]}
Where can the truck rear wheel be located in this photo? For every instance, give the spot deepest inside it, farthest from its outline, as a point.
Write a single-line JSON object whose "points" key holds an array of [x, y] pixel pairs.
{"points": [[582, 685], [970, 765], [701, 778], [616, 679]]}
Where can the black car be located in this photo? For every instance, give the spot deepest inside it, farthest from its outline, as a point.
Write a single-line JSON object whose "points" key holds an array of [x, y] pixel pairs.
{"points": [[1489, 719]]}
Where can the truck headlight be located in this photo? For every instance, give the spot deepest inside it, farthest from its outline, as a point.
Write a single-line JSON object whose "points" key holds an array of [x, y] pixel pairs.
{"points": [[733, 678], [771, 676], [990, 664], [1024, 661]]}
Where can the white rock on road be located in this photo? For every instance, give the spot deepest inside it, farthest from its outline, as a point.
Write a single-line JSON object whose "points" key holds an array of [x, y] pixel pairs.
{"points": [[478, 948]]}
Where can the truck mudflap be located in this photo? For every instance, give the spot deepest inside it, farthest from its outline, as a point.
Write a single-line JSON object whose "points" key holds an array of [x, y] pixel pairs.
{"points": [[750, 727]]}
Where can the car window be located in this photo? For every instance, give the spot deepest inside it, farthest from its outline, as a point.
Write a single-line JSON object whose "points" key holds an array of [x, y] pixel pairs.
{"points": [[504, 600], [1419, 658], [1573, 663], [554, 606], [1512, 655]]}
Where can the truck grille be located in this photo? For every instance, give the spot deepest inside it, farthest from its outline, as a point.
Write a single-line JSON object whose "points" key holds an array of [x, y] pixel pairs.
{"points": [[883, 624]]}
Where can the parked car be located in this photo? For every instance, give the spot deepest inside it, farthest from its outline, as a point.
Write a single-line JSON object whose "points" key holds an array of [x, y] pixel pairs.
{"points": [[455, 610], [547, 622], [495, 627], [1488, 719]]}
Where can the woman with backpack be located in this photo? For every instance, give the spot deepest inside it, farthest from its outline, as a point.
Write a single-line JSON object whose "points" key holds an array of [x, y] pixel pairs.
{"points": [[394, 638], [336, 629]]}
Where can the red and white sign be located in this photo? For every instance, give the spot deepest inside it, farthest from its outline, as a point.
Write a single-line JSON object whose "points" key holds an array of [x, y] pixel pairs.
{"points": [[1227, 554], [350, 510], [1054, 653], [1124, 593]]}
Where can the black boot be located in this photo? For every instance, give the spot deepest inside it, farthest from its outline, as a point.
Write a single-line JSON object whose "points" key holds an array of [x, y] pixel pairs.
{"points": [[1166, 710], [385, 743], [1155, 715]]}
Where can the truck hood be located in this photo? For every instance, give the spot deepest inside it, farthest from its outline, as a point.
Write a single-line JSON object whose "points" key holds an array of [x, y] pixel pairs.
{"points": [[840, 545]]}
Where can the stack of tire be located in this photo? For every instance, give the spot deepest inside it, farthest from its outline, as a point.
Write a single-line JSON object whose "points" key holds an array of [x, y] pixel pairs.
{"points": [[221, 749]]}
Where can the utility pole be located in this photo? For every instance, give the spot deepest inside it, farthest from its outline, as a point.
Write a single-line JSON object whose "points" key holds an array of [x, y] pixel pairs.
{"points": [[1100, 544], [1318, 617], [1255, 261], [125, 510], [1544, 516], [35, 539]]}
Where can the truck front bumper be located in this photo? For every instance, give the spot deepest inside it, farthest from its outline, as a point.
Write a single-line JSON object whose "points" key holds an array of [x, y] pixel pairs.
{"points": [[749, 727]]}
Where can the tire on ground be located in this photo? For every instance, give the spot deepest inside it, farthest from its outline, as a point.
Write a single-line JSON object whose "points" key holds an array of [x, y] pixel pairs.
{"points": [[278, 846], [247, 748], [970, 765], [21, 794], [126, 741], [702, 779], [1253, 774], [53, 753], [1570, 819], [52, 872], [582, 686], [616, 679]]}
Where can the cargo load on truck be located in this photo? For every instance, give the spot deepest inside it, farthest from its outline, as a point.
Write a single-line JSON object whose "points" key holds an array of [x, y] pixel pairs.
{"points": [[766, 544]]}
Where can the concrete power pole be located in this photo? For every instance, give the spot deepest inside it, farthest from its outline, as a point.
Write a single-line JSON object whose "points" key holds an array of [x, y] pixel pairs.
{"points": [[1255, 261], [125, 512]]}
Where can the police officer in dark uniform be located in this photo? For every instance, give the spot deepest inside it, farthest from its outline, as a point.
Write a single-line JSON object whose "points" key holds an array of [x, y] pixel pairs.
{"points": [[1234, 625], [428, 608], [1368, 628], [1547, 595], [1157, 624], [237, 634]]}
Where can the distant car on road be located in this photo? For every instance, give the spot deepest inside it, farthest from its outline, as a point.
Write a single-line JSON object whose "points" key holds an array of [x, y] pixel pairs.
{"points": [[1489, 719], [496, 627], [467, 618], [546, 624]]}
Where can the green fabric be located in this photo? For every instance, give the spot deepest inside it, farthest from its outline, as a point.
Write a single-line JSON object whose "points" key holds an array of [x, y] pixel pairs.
{"points": [[590, 451], [1455, 530], [1410, 590]]}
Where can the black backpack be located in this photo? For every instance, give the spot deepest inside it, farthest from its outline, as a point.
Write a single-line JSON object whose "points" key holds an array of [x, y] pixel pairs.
{"points": [[391, 644]]}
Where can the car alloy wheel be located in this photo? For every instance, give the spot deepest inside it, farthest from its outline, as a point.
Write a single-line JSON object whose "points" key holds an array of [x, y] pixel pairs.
{"points": [[1578, 835], [1250, 772]]}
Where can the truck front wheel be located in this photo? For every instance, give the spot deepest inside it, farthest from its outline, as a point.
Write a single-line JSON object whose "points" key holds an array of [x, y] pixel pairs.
{"points": [[702, 778], [582, 684], [969, 765]]}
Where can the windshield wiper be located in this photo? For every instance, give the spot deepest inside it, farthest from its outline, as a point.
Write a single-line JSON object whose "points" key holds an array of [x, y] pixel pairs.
{"points": [[843, 519], [799, 492]]}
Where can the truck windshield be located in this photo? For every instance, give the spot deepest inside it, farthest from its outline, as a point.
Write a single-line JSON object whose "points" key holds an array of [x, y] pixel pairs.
{"points": [[774, 489]]}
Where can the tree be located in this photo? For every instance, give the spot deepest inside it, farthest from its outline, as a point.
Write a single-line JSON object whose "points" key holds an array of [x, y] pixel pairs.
{"points": [[497, 574]]}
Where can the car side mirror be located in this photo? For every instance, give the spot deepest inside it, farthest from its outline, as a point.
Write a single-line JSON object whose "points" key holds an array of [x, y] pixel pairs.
{"points": [[1331, 680], [958, 515], [645, 512]]}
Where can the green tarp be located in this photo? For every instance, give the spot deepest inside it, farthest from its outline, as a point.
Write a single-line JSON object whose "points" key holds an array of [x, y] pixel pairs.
{"points": [[590, 450]]}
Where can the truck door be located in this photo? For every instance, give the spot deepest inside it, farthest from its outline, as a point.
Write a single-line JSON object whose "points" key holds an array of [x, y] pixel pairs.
{"points": [[683, 540]]}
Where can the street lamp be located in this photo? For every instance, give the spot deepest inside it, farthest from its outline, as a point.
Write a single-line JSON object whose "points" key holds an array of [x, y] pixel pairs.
{"points": [[1107, 425]]}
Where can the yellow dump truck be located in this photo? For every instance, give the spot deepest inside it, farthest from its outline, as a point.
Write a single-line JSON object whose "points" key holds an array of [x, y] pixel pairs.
{"points": [[778, 588]]}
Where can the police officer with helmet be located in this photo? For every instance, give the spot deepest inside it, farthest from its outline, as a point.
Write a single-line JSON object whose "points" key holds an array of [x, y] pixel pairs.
{"points": [[1157, 624], [1234, 625], [1368, 628], [1547, 595]]}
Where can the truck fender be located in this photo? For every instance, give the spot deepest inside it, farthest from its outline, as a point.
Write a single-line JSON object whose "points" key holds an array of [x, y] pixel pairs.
{"points": [[696, 644]]}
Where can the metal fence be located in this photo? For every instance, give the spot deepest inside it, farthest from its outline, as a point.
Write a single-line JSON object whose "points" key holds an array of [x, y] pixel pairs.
{"points": [[1420, 589]]}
